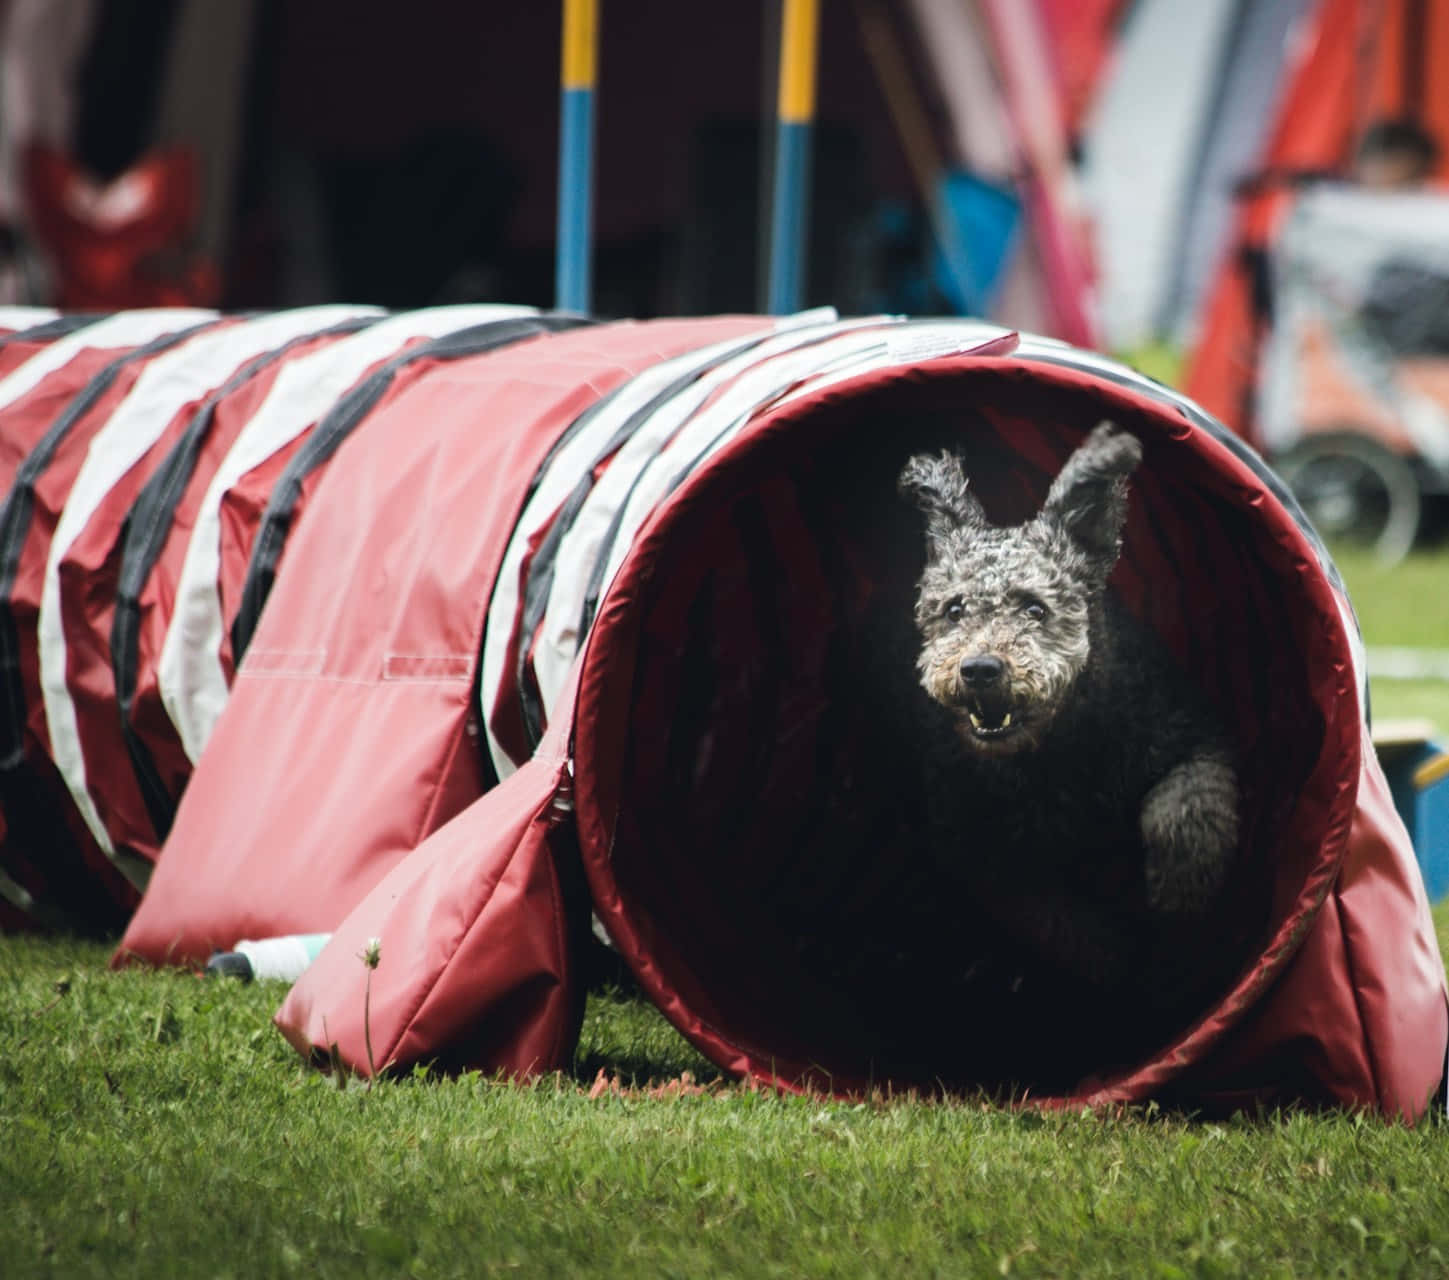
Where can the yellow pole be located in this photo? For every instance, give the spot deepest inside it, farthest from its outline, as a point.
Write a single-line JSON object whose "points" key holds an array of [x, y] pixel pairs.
{"points": [[799, 40], [580, 67]]}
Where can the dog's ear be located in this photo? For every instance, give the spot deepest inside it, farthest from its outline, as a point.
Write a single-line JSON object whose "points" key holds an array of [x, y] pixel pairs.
{"points": [[938, 486], [1089, 497]]}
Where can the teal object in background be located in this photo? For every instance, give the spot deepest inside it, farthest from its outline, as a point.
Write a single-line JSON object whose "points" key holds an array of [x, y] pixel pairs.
{"points": [[788, 214], [576, 200], [790, 203], [573, 270], [980, 223], [1418, 774]]}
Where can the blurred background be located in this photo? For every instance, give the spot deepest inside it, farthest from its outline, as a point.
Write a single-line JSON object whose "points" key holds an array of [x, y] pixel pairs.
{"points": [[1243, 197]]}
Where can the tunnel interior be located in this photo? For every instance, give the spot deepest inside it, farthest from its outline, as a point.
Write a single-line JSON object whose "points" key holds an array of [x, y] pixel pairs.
{"points": [[753, 830]]}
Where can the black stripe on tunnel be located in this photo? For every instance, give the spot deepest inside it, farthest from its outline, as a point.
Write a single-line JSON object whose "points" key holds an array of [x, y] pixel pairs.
{"points": [[540, 576], [15, 519], [50, 330], [142, 536], [74, 889], [610, 540], [340, 421], [1233, 443]]}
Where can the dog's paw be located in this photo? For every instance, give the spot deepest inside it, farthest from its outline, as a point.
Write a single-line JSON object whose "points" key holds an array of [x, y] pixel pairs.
{"points": [[1190, 833]]}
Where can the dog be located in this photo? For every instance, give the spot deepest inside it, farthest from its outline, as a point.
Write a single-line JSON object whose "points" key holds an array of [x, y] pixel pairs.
{"points": [[1076, 785]]}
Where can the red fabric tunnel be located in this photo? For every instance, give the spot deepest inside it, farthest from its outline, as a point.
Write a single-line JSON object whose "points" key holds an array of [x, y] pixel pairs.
{"points": [[739, 811], [739, 807], [458, 628]]}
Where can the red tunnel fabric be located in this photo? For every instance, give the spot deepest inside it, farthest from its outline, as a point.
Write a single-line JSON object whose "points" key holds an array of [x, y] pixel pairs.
{"points": [[592, 620], [484, 901], [397, 650], [235, 445], [53, 404], [135, 510], [138, 799], [188, 595], [18, 345], [78, 591], [657, 834]]}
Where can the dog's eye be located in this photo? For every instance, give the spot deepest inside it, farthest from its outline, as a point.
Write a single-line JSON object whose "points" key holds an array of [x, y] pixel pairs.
{"points": [[1035, 610], [955, 611]]}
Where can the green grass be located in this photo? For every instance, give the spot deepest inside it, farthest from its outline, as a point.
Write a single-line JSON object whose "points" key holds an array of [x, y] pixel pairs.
{"points": [[154, 1125], [1406, 605]]}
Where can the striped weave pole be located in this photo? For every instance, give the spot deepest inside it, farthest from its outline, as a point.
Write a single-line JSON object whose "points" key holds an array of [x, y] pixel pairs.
{"points": [[579, 71], [799, 37]]}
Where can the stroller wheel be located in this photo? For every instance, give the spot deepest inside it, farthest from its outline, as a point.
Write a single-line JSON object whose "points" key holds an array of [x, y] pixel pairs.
{"points": [[1356, 492]]}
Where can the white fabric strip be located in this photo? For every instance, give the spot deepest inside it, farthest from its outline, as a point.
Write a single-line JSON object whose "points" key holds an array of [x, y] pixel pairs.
{"points": [[17, 319], [842, 357], [571, 464], [606, 495], [789, 379], [192, 680], [913, 342], [124, 329], [174, 379], [563, 473]]}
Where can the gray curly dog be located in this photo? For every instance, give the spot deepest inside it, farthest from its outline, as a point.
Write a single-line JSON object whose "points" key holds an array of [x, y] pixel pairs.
{"points": [[1076, 784]]}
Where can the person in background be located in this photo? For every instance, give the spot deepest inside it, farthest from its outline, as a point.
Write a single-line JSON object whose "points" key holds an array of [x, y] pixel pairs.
{"points": [[1395, 155]]}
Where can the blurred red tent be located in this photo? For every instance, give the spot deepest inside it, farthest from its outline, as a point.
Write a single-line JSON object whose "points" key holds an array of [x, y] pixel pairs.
{"points": [[1080, 34], [1180, 115], [998, 69]]}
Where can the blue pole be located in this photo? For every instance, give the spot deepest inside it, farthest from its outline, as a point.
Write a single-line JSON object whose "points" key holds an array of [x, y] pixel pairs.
{"points": [[790, 206], [573, 272], [788, 216]]}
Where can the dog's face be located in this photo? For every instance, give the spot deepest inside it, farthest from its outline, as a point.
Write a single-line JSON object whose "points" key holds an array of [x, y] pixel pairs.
{"points": [[1005, 613]]}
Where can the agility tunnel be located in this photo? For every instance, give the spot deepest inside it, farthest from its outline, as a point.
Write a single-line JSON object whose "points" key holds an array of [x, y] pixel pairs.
{"points": [[462, 628]]}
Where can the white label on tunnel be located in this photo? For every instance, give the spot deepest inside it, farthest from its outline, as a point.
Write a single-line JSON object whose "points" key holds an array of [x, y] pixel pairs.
{"points": [[913, 343]]}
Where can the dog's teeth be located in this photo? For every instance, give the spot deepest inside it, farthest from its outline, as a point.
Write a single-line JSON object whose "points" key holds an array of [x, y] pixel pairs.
{"points": [[1006, 720], [975, 720]]}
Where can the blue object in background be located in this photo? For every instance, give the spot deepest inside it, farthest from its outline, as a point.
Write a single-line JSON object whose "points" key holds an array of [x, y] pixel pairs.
{"points": [[1418, 774], [980, 223], [573, 284], [788, 214], [576, 200], [790, 204]]}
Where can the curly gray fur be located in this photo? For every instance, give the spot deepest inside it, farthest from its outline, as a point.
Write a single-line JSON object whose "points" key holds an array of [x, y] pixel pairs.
{"points": [[1076, 784]]}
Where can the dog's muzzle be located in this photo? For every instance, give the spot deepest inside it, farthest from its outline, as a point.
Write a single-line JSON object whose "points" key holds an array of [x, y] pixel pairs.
{"points": [[986, 696]]}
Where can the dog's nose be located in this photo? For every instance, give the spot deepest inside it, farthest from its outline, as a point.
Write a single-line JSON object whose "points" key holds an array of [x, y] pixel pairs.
{"points": [[982, 673]]}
